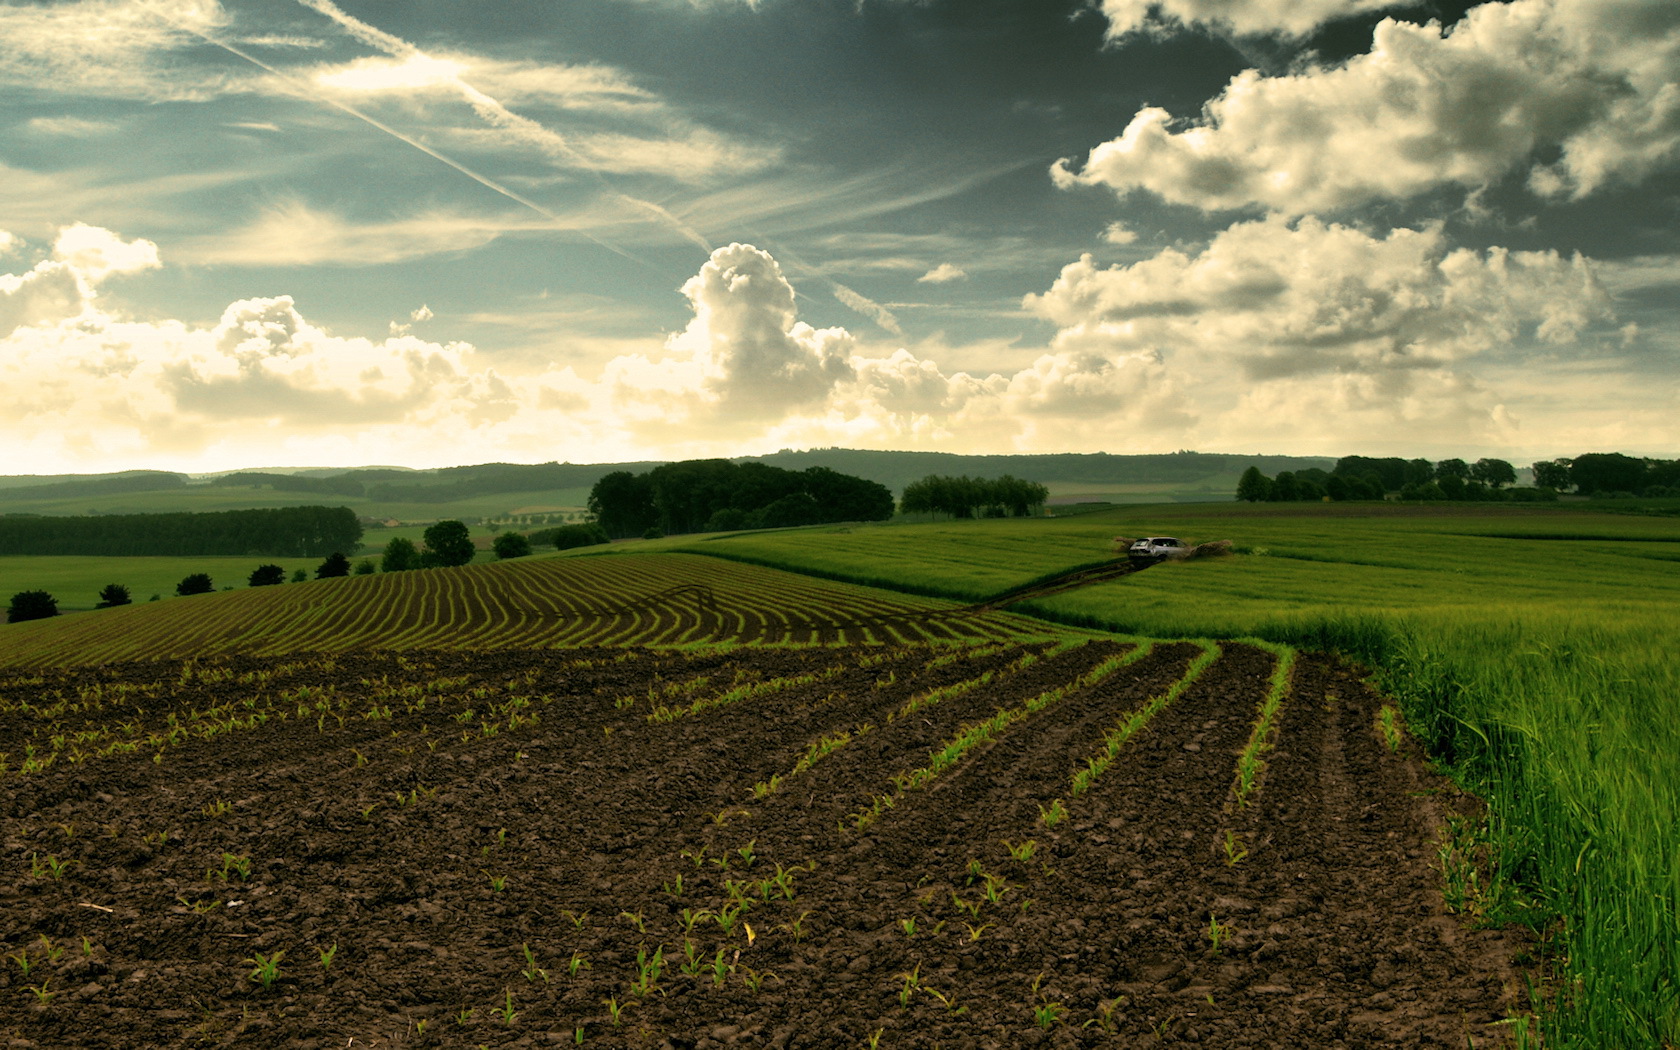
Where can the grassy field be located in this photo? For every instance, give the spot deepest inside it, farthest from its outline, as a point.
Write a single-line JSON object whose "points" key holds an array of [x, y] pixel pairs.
{"points": [[77, 580], [1532, 648]]}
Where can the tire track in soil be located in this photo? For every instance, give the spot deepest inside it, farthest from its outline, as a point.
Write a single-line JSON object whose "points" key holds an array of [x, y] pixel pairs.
{"points": [[1343, 938]]}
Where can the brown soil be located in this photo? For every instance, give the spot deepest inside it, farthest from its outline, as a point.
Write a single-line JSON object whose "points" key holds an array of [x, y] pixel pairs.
{"points": [[432, 854]]}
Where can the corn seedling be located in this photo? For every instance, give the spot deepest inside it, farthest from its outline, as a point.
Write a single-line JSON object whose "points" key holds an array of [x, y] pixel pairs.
{"points": [[729, 915], [1053, 814], [746, 853], [636, 920], [22, 959], [1023, 852], [688, 918], [266, 968], [797, 927], [947, 1001], [908, 926], [648, 971], [912, 981], [1217, 932], [615, 1010], [51, 867], [577, 1036], [693, 964], [53, 951], [217, 808], [1234, 849], [1104, 1019], [506, 1011], [578, 962], [697, 856], [974, 932], [43, 994], [1047, 1014], [720, 969], [1388, 724], [874, 1040], [498, 883], [674, 888], [327, 956], [971, 907], [752, 979], [87, 947], [577, 919], [465, 1017], [995, 888], [532, 971]]}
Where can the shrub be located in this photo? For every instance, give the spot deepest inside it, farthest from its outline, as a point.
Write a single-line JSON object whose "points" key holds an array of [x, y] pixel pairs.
{"points": [[366, 567], [565, 537], [197, 583], [267, 576], [400, 556], [113, 594], [336, 565], [511, 545], [31, 605], [654, 532]]}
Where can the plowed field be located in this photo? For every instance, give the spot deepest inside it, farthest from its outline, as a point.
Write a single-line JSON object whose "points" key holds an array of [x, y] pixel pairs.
{"points": [[801, 847]]}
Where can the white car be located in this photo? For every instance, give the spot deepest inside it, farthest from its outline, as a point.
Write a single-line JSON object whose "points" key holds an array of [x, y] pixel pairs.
{"points": [[1156, 548]]}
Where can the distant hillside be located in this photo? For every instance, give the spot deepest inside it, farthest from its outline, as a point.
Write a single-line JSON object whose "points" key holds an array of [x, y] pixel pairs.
{"points": [[496, 489]]}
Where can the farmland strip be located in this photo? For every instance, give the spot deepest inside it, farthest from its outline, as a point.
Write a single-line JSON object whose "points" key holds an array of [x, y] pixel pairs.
{"points": [[1116, 738], [1249, 764]]}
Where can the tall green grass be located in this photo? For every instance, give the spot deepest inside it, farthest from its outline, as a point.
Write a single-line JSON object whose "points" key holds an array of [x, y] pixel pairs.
{"points": [[1532, 649]]}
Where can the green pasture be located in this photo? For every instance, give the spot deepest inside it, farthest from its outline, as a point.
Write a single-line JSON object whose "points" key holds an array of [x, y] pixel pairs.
{"points": [[1533, 648], [201, 498]]}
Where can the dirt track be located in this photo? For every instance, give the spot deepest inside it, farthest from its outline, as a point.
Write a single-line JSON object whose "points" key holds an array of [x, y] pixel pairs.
{"points": [[388, 839]]}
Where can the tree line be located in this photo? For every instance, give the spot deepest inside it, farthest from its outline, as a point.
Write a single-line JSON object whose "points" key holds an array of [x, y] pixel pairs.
{"points": [[293, 532], [966, 497], [1369, 478], [711, 495]]}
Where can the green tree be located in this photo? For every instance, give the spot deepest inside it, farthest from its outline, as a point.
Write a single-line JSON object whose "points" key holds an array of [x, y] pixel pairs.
{"points": [[1253, 486], [335, 565], [1552, 473], [1493, 472], [113, 594], [31, 605], [511, 545], [366, 567], [300, 576], [622, 503], [1452, 468], [449, 542], [267, 576], [1607, 472], [197, 583], [400, 556]]}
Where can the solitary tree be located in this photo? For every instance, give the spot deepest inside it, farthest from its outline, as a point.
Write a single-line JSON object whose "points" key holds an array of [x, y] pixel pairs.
{"points": [[366, 567], [300, 575], [113, 594], [267, 576], [31, 605], [512, 545], [197, 583], [399, 556], [450, 543], [1253, 486], [335, 565]]}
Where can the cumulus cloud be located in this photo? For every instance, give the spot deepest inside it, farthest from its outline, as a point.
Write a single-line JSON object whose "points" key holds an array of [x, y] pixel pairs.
{"points": [[1243, 17], [944, 273], [1280, 298], [1592, 81]]}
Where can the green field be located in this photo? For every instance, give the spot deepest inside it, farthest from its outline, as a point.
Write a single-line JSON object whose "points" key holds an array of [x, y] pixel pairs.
{"points": [[1533, 650]]}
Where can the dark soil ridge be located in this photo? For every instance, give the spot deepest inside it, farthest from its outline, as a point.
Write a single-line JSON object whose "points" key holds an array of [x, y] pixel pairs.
{"points": [[1337, 936]]}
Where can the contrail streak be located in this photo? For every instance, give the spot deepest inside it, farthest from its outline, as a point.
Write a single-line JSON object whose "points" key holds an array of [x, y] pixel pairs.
{"points": [[345, 107], [498, 115]]}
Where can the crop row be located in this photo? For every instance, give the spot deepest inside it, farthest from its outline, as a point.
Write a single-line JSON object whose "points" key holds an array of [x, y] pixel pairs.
{"points": [[540, 603]]}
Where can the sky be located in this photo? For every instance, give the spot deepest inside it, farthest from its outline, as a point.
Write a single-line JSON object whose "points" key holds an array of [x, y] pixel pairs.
{"points": [[240, 233]]}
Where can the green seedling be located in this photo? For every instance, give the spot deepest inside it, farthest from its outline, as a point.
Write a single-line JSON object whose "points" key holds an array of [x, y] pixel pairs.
{"points": [[693, 964], [648, 971], [575, 918], [1104, 1020], [1023, 852], [1217, 932], [995, 888], [752, 979], [1388, 724], [720, 969], [51, 867], [908, 926], [746, 853], [498, 883], [674, 888], [971, 907], [43, 994], [615, 1010], [697, 856], [199, 907], [949, 1002], [87, 947], [797, 927], [465, 1017], [688, 918], [506, 1011], [730, 914], [974, 932], [577, 1036], [1047, 1014], [22, 959], [578, 962], [266, 968], [1054, 814], [874, 1041], [53, 951], [217, 808], [327, 956], [912, 981], [532, 971], [1234, 849], [636, 920]]}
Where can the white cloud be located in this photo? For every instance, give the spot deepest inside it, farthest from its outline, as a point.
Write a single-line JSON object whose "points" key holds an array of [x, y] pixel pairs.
{"points": [[71, 127], [944, 273], [113, 48], [97, 253], [1277, 298], [1119, 233], [1244, 17], [295, 234], [1592, 80]]}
